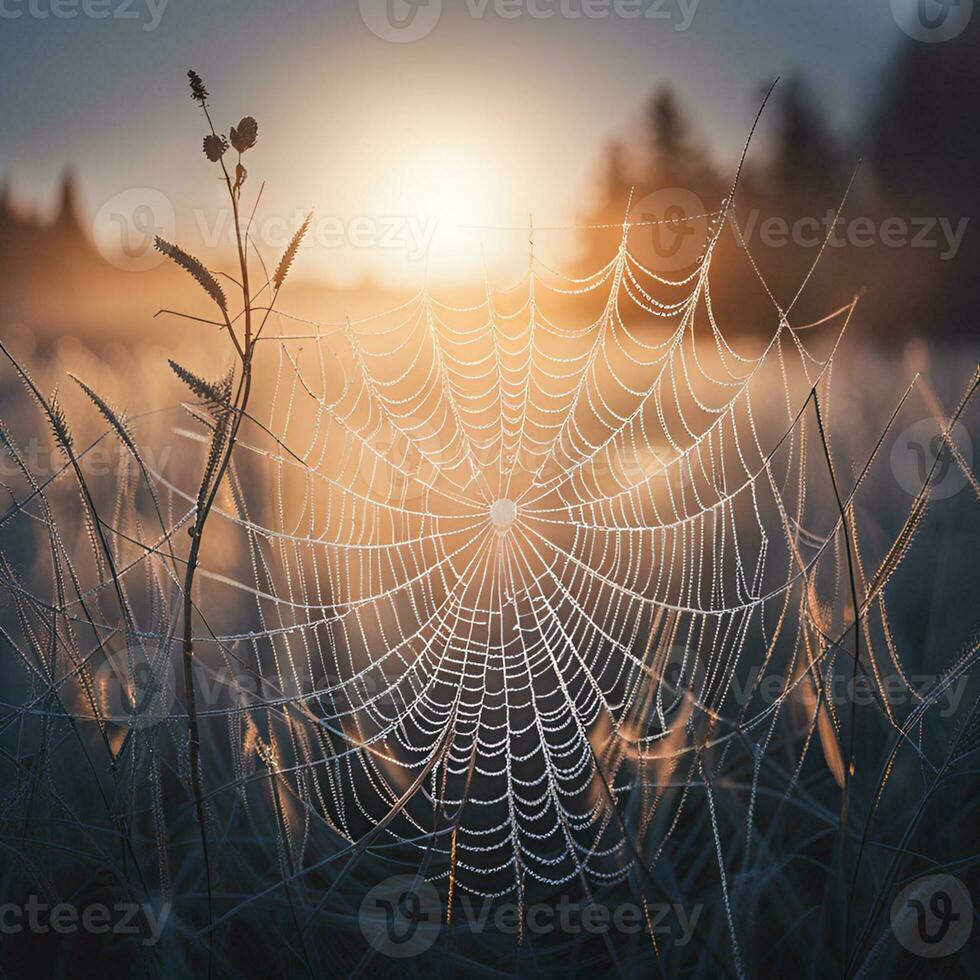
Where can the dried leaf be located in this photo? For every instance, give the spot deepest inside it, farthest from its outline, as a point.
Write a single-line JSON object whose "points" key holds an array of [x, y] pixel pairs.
{"points": [[282, 270], [244, 135], [196, 269], [214, 147], [216, 395], [59, 424], [198, 92], [218, 440], [115, 418]]}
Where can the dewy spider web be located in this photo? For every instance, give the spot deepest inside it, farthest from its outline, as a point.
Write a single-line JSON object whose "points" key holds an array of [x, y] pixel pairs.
{"points": [[513, 567], [516, 564]]}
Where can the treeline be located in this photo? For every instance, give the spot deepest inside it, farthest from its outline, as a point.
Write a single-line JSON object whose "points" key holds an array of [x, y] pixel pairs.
{"points": [[906, 236]]}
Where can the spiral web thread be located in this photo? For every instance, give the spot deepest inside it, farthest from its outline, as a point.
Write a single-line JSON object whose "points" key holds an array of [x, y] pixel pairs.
{"points": [[503, 576], [638, 543]]}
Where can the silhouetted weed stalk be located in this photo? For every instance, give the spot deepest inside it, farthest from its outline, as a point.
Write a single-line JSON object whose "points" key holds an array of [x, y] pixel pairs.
{"points": [[226, 399]]}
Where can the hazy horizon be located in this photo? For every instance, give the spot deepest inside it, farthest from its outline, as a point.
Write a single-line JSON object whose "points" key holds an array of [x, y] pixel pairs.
{"points": [[484, 121]]}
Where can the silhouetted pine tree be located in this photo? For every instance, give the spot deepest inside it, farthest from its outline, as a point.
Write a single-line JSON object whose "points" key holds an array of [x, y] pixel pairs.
{"points": [[925, 153], [807, 160], [674, 157]]}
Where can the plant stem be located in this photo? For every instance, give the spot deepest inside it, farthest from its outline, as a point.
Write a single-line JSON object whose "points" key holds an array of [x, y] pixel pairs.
{"points": [[238, 408]]}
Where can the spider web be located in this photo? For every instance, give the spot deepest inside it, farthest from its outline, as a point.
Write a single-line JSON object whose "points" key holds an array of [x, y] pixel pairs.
{"points": [[516, 564], [510, 578]]}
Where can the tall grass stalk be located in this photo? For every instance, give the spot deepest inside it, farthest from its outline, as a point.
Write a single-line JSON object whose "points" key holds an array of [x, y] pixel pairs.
{"points": [[227, 410]]}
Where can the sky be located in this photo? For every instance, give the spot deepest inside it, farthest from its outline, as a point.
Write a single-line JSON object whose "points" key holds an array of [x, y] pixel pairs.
{"points": [[500, 110]]}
